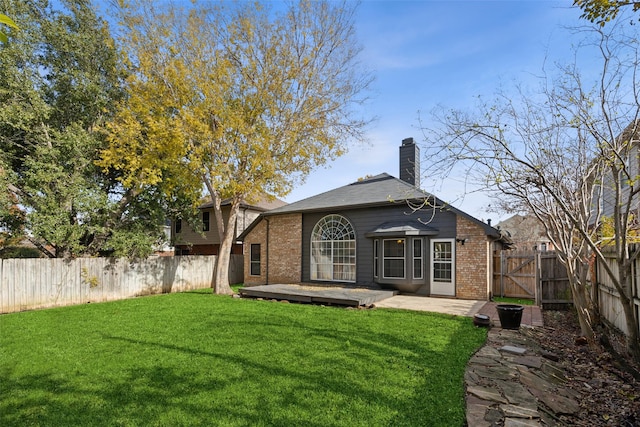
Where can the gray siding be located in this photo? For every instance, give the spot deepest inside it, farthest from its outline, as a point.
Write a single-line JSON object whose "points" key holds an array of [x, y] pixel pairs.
{"points": [[367, 220]]}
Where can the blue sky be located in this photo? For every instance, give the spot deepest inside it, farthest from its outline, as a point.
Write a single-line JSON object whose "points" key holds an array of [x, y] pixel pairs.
{"points": [[430, 53]]}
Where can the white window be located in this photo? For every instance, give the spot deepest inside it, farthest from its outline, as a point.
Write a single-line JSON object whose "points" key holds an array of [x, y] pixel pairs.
{"points": [[376, 257], [333, 250], [417, 258], [393, 260], [254, 259]]}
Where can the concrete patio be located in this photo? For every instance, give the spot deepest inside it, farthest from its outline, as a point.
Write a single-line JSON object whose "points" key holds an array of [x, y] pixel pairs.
{"points": [[354, 296]]}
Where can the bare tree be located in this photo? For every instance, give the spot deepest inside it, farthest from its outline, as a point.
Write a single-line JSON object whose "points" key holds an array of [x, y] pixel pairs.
{"points": [[563, 153]]}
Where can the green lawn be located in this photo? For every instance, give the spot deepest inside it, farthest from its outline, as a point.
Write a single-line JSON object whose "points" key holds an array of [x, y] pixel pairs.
{"points": [[518, 301], [195, 359]]}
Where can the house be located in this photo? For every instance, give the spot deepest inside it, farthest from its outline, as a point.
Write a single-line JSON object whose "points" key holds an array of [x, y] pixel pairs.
{"points": [[526, 233], [606, 193], [206, 240], [370, 233]]}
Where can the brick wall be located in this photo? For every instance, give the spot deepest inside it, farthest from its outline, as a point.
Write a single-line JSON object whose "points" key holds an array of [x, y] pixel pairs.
{"points": [[472, 261], [285, 250], [257, 235]]}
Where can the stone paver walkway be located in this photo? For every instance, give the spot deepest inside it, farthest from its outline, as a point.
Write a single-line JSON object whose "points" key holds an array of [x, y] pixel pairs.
{"points": [[511, 382]]}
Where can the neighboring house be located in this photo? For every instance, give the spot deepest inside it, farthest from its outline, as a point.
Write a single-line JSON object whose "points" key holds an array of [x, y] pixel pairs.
{"points": [[526, 233], [206, 240], [605, 189], [366, 234]]}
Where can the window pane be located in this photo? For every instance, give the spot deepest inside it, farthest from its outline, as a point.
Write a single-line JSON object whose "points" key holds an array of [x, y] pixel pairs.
{"points": [[441, 272], [417, 248], [255, 252], [394, 268], [375, 258], [205, 221], [394, 248], [333, 250], [255, 268], [255, 259], [417, 268], [442, 251]]}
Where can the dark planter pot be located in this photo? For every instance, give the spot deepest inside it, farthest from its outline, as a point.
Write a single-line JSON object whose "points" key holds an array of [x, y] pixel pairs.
{"points": [[481, 320], [510, 315]]}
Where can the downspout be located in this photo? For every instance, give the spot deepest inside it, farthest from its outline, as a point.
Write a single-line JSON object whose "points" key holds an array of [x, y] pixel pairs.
{"points": [[244, 219], [267, 254]]}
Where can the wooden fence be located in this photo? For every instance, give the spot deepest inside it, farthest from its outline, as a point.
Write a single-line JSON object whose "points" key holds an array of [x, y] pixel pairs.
{"points": [[554, 290], [531, 275], [38, 283], [608, 297], [541, 276]]}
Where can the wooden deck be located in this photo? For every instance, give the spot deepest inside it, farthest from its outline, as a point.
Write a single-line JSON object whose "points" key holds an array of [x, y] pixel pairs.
{"points": [[319, 294]]}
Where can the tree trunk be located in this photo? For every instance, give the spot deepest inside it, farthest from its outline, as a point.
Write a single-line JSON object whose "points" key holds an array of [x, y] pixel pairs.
{"points": [[583, 310], [221, 276], [582, 301]]}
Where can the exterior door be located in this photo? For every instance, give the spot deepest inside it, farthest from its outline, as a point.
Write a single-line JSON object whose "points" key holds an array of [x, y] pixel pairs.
{"points": [[443, 269]]}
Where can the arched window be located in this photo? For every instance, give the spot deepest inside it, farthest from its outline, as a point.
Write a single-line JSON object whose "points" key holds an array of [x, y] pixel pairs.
{"points": [[333, 250]]}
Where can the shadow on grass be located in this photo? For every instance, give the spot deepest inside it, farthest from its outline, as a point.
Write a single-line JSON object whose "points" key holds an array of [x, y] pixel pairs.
{"points": [[294, 371]]}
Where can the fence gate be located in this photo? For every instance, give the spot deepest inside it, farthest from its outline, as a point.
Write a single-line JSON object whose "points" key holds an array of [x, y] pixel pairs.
{"points": [[515, 274], [530, 274]]}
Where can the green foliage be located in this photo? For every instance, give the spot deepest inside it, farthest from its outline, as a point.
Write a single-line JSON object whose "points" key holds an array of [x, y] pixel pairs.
{"points": [[4, 19], [607, 230], [60, 83], [92, 281], [201, 359], [19, 252], [602, 11], [238, 98]]}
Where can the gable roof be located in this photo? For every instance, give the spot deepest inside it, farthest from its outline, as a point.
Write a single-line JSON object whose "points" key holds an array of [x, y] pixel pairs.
{"points": [[263, 203], [379, 190]]}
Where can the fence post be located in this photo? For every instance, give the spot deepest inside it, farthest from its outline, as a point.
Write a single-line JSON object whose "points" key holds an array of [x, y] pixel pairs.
{"points": [[538, 279], [502, 269]]}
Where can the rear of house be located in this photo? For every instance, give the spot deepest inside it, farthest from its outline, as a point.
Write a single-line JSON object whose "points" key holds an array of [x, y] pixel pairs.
{"points": [[370, 233]]}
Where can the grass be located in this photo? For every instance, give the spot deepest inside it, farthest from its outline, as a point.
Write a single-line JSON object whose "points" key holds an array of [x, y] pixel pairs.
{"points": [[196, 359], [519, 301]]}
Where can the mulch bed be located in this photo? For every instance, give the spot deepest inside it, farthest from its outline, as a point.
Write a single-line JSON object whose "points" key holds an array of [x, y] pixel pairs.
{"points": [[609, 384]]}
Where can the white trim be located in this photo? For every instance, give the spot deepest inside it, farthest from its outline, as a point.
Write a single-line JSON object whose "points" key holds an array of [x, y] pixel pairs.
{"points": [[323, 250], [403, 258], [441, 287], [414, 258], [252, 262], [376, 258]]}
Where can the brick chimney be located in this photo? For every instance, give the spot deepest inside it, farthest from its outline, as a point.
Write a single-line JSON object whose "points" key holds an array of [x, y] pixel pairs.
{"points": [[410, 162]]}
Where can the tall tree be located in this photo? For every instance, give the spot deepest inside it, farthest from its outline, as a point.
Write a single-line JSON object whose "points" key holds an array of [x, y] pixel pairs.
{"points": [[246, 98], [558, 153], [59, 82]]}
